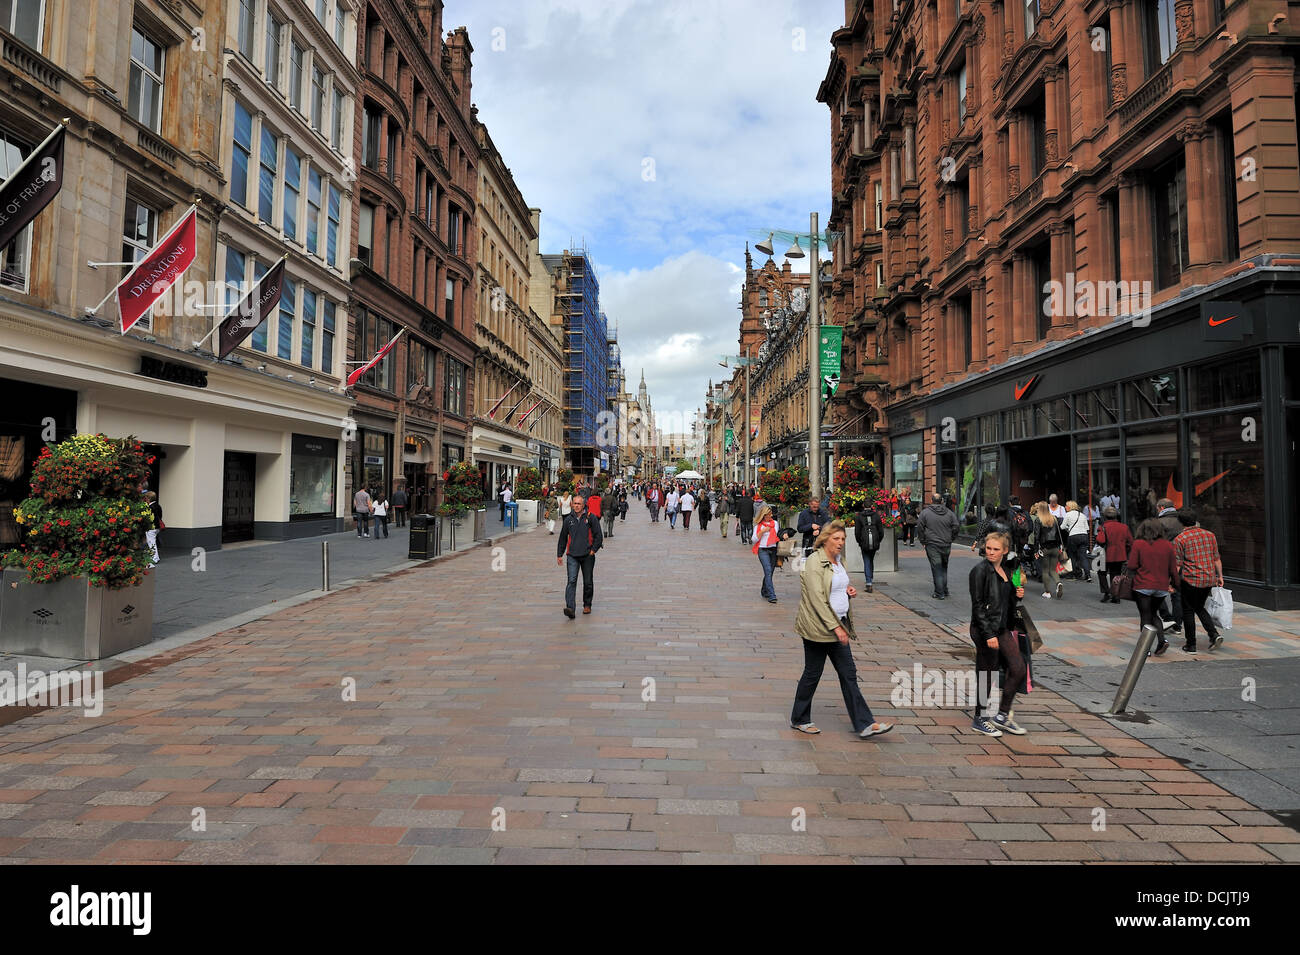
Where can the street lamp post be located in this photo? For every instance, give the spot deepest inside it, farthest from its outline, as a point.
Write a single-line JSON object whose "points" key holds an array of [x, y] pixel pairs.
{"points": [[814, 368]]}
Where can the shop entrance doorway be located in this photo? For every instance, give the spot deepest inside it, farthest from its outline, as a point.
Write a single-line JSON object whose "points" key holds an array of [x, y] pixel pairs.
{"points": [[237, 496], [1038, 468]]}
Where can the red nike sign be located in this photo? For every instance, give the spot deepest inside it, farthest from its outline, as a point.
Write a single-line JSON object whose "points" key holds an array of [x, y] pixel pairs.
{"points": [[1022, 390], [1221, 321]]}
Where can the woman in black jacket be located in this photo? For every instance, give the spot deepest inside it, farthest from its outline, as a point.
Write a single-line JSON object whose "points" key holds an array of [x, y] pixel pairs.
{"points": [[993, 599], [869, 529]]}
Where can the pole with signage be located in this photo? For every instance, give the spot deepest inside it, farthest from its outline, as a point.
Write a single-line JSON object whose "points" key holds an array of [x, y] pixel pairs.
{"points": [[832, 342]]}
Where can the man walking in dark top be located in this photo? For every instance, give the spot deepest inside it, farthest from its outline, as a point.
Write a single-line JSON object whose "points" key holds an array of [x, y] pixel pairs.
{"points": [[579, 539]]}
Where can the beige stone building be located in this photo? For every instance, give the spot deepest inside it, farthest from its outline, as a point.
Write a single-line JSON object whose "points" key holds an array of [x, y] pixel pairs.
{"points": [[503, 382], [546, 353], [141, 84]]}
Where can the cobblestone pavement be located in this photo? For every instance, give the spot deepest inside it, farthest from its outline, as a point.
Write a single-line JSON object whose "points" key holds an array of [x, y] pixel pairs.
{"points": [[1233, 713], [489, 728]]}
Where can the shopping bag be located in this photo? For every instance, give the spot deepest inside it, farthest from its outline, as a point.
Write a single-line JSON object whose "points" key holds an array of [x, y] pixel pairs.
{"points": [[1121, 586], [1065, 567], [1219, 605]]}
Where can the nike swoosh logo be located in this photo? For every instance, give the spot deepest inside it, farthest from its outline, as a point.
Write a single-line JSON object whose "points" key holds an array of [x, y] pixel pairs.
{"points": [[1221, 321], [1021, 389]]}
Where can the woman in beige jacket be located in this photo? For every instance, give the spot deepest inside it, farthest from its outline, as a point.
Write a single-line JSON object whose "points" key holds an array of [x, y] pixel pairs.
{"points": [[826, 626]]}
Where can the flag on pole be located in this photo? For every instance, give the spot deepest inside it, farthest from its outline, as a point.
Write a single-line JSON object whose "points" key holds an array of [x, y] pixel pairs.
{"points": [[156, 272], [524, 416], [33, 185], [262, 299], [493, 413], [356, 375], [516, 407]]}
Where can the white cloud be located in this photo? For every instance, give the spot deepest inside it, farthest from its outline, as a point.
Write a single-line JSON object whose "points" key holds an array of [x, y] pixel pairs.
{"points": [[717, 95]]}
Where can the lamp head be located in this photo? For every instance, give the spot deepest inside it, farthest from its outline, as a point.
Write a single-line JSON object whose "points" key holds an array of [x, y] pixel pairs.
{"points": [[765, 246], [794, 252]]}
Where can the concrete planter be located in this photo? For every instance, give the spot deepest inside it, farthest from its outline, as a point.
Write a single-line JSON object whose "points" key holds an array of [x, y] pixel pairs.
{"points": [[887, 557], [852, 556], [73, 620], [480, 524], [528, 512]]}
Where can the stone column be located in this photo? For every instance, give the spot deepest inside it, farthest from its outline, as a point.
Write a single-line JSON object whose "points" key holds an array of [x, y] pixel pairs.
{"points": [[1061, 314], [1013, 156], [978, 323], [909, 151], [1052, 119], [975, 196], [1129, 257], [1018, 301], [1201, 242], [894, 173]]}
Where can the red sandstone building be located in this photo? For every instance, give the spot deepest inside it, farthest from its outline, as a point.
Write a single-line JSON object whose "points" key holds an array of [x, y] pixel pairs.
{"points": [[1071, 256], [414, 255]]}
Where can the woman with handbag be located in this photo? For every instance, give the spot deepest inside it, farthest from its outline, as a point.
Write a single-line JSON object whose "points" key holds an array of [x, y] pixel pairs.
{"points": [[1075, 529], [993, 600], [1117, 541], [1046, 539], [1154, 568], [765, 541], [826, 626]]}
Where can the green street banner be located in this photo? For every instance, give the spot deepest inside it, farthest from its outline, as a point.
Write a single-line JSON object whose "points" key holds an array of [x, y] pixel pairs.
{"points": [[832, 345], [731, 438]]}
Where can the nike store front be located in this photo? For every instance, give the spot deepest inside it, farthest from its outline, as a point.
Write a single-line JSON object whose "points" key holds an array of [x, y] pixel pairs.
{"points": [[1201, 406]]}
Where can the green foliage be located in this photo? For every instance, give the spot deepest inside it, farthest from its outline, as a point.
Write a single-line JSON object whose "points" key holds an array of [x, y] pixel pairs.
{"points": [[786, 490], [86, 516], [461, 490], [564, 481], [529, 485], [856, 481]]}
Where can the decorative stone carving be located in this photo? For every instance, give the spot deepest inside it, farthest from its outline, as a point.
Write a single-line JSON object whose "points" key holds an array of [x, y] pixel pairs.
{"points": [[973, 217], [1118, 82], [1184, 21], [1193, 131], [1008, 45], [1013, 181], [1050, 145], [979, 28]]}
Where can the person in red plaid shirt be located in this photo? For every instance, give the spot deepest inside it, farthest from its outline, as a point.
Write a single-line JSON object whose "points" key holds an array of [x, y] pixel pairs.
{"points": [[1199, 567]]}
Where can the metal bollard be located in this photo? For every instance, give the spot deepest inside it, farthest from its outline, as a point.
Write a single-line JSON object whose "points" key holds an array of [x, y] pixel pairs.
{"points": [[325, 565], [1126, 686]]}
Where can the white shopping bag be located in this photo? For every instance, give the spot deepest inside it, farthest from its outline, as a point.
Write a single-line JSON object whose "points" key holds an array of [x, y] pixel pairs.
{"points": [[1219, 605]]}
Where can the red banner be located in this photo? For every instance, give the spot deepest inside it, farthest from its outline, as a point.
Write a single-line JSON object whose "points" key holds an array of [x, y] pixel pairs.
{"points": [[155, 273], [524, 417], [356, 375]]}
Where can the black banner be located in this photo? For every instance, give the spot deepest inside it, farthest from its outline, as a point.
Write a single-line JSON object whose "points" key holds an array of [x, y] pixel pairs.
{"points": [[32, 186], [262, 299]]}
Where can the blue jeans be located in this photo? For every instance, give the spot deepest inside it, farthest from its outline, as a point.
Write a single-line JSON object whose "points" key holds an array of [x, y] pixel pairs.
{"points": [[588, 567], [672, 517], [767, 557], [814, 662], [869, 565], [938, 558]]}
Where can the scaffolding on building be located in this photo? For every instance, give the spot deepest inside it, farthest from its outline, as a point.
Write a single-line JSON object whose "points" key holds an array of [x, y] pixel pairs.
{"points": [[586, 356]]}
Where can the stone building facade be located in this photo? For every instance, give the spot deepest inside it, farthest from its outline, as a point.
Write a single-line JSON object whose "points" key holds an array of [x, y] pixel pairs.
{"points": [[415, 252], [503, 378], [141, 85], [1051, 212]]}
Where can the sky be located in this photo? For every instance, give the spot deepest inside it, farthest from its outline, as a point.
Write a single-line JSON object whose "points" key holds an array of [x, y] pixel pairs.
{"points": [[665, 134]]}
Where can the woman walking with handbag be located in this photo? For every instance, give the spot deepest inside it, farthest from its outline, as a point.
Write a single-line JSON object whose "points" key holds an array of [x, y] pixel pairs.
{"points": [[1154, 568], [1046, 538], [825, 623], [1117, 541], [766, 538], [1075, 529], [994, 595]]}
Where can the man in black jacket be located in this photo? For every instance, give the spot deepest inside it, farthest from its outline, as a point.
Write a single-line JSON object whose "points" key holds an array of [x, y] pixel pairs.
{"points": [[745, 516], [811, 520], [936, 531], [579, 540], [869, 529]]}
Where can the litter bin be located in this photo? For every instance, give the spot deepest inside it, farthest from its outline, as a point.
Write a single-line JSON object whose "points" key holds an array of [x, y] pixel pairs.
{"points": [[512, 516], [426, 537]]}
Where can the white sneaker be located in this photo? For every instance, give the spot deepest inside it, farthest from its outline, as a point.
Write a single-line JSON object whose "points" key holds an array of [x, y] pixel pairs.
{"points": [[1047, 596]]}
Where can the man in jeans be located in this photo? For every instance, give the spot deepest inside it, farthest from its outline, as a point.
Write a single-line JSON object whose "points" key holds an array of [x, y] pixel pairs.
{"points": [[579, 540], [1196, 551], [936, 529], [361, 510], [399, 505]]}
